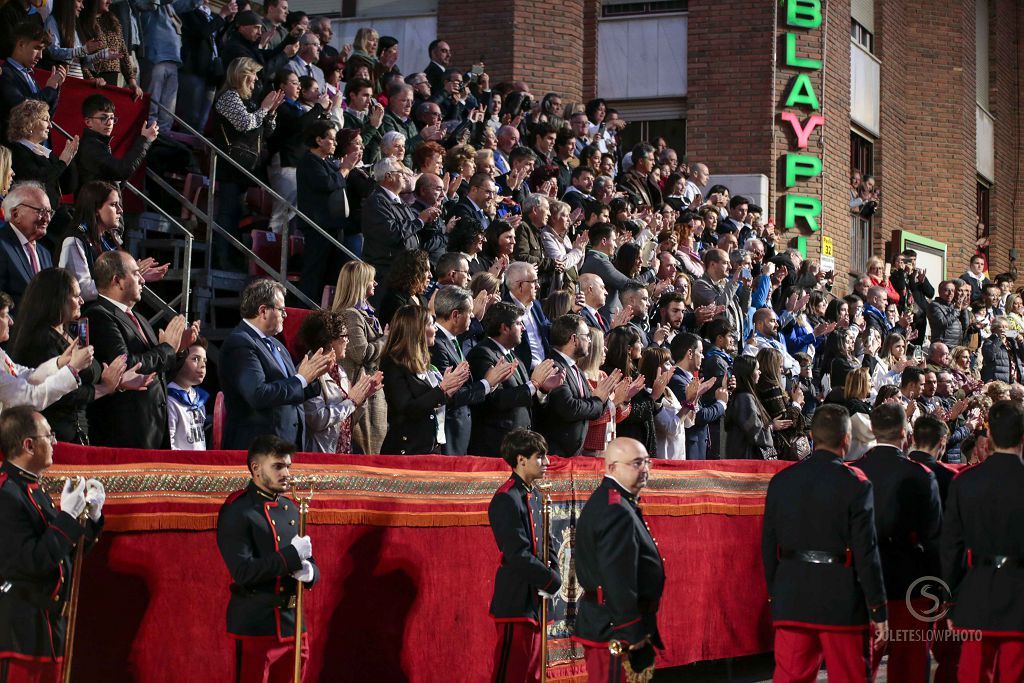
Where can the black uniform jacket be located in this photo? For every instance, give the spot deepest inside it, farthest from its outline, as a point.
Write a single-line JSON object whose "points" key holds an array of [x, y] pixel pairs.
{"points": [[821, 504], [943, 473], [985, 521], [908, 517], [505, 408], [412, 422], [254, 534], [515, 516], [619, 568], [37, 544]]}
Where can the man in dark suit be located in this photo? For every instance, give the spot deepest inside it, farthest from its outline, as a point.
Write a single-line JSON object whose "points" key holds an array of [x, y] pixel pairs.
{"points": [[983, 553], [636, 182], [133, 419], [522, 285], [821, 561], [453, 310], [595, 296], [471, 206], [16, 81], [508, 405], [599, 261], [908, 518], [263, 390], [572, 405], [914, 289], [688, 354], [28, 213], [440, 59], [37, 546], [930, 438], [619, 568], [515, 517], [390, 226]]}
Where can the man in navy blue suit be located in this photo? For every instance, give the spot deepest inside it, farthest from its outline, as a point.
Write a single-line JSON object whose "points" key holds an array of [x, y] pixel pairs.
{"points": [[688, 353], [21, 255], [263, 390], [522, 284], [16, 81]]}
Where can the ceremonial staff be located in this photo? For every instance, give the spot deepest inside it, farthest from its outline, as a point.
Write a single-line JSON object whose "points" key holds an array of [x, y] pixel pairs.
{"points": [[71, 607], [545, 525], [303, 503]]}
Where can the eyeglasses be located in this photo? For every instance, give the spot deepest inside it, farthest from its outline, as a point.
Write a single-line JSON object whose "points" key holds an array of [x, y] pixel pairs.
{"points": [[638, 464], [45, 214], [51, 437], [106, 118]]}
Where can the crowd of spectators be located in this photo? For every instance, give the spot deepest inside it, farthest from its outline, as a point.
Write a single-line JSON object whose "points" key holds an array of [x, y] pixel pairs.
{"points": [[517, 265]]}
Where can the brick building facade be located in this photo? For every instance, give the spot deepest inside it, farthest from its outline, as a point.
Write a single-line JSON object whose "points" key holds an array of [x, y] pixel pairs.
{"points": [[916, 112]]}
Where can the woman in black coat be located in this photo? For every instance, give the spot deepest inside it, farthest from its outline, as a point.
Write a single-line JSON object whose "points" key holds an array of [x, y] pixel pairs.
{"points": [[28, 130], [47, 323], [415, 391], [623, 354], [748, 426], [321, 196]]}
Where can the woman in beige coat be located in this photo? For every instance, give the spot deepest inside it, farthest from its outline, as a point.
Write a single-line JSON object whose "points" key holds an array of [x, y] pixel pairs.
{"points": [[365, 343]]}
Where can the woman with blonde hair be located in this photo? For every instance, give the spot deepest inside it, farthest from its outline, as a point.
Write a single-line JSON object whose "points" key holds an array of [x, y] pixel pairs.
{"points": [[554, 238], [484, 161], [857, 390], [365, 44], [6, 171], [461, 159], [366, 341], [28, 130], [875, 269], [416, 391], [241, 127], [968, 378], [603, 429]]}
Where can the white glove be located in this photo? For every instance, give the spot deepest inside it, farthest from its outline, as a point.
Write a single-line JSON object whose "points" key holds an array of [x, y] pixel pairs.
{"points": [[95, 496], [305, 575], [72, 498], [304, 546], [544, 595]]}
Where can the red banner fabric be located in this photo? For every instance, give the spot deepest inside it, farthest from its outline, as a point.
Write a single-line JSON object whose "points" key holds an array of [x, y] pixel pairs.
{"points": [[407, 563]]}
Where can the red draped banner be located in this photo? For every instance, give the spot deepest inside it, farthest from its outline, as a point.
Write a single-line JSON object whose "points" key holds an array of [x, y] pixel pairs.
{"points": [[407, 563]]}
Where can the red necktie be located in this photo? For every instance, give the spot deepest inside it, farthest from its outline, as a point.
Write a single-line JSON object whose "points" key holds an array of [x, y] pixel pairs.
{"points": [[33, 259], [138, 326], [600, 320]]}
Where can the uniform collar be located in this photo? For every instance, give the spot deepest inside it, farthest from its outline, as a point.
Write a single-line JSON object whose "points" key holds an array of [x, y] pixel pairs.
{"points": [[261, 494], [521, 484], [20, 473]]}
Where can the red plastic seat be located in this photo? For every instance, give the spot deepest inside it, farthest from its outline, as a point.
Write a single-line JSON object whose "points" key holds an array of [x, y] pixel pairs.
{"points": [[218, 421], [290, 332]]}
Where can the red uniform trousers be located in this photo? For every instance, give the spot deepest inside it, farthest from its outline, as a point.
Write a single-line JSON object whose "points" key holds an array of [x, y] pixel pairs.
{"points": [[29, 671], [265, 659], [908, 650], [993, 658], [799, 652], [603, 666], [516, 652]]}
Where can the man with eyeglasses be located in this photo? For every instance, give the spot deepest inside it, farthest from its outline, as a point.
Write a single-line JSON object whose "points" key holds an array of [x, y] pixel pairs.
{"points": [[28, 213], [37, 546], [263, 390], [619, 568], [453, 99], [522, 285], [95, 159], [573, 404]]}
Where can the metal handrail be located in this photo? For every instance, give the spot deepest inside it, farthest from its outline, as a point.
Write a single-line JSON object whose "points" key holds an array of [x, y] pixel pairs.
{"points": [[218, 153], [207, 217], [186, 292]]}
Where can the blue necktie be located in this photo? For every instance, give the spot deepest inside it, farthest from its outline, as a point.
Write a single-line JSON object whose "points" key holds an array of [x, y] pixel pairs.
{"points": [[31, 81], [276, 353]]}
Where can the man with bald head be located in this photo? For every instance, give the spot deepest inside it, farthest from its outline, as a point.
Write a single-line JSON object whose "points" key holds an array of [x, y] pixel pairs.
{"points": [[619, 568], [595, 296], [767, 335], [699, 177], [938, 357]]}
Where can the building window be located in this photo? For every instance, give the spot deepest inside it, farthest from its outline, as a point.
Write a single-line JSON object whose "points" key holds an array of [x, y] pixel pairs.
{"points": [[984, 229], [862, 159], [862, 36], [674, 132], [622, 8]]}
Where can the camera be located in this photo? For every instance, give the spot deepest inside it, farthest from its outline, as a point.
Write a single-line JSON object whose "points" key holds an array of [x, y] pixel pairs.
{"points": [[526, 106]]}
